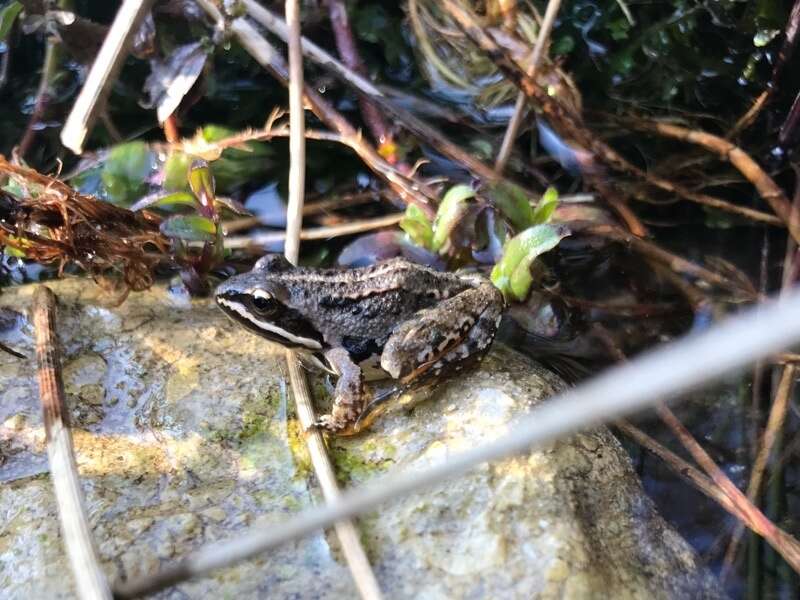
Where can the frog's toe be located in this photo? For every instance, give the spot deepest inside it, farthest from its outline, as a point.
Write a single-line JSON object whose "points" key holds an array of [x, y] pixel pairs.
{"points": [[332, 425]]}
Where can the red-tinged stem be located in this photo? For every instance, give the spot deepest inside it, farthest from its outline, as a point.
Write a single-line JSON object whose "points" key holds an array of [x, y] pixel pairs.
{"points": [[348, 51]]}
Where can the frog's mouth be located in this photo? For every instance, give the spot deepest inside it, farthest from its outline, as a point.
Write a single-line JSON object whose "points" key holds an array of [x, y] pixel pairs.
{"points": [[287, 328]]}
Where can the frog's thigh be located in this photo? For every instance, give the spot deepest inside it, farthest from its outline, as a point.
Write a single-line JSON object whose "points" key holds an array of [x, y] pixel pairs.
{"points": [[456, 329]]}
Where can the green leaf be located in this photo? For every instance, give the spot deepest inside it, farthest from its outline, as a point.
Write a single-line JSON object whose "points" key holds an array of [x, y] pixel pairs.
{"points": [[512, 274], [191, 228], [514, 204], [452, 208], [416, 224], [201, 181], [546, 207], [8, 14], [175, 168], [173, 199], [126, 171]]}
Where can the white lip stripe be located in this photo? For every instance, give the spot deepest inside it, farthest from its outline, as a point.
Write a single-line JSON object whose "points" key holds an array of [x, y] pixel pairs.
{"points": [[239, 310]]}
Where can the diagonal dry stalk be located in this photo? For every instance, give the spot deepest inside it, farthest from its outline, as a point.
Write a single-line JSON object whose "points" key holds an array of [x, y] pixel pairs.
{"points": [[787, 546], [407, 188], [423, 130], [90, 581], [106, 67], [346, 530]]}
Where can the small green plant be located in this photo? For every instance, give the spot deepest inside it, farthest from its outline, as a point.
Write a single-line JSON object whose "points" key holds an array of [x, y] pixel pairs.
{"points": [[457, 211], [187, 230]]}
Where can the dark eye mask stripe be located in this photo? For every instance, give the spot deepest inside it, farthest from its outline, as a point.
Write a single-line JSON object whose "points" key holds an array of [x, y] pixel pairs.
{"points": [[286, 326]]}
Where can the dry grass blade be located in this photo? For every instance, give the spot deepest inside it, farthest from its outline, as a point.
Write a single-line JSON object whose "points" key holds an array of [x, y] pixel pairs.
{"points": [[103, 72], [519, 107], [315, 233], [644, 381], [777, 417], [346, 531], [785, 545], [90, 581]]}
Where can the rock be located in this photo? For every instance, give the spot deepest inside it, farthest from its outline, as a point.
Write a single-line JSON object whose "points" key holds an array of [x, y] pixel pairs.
{"points": [[184, 435]]}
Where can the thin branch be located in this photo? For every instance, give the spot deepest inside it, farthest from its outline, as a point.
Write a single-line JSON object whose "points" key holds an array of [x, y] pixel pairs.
{"points": [[90, 581], [424, 131], [348, 51], [408, 189], [681, 468], [777, 417], [314, 233], [346, 530], [519, 107], [766, 187], [665, 373], [787, 546], [104, 71]]}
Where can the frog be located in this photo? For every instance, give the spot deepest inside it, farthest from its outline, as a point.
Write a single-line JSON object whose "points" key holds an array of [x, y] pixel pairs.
{"points": [[395, 320]]}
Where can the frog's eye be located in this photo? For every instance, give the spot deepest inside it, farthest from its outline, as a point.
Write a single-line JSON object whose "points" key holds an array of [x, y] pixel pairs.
{"points": [[263, 301]]}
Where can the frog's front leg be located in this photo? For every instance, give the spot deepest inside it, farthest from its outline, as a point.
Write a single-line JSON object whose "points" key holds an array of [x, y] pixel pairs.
{"points": [[348, 396], [441, 340]]}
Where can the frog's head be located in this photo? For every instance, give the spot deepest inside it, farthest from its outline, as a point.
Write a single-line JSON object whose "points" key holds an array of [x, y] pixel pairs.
{"points": [[259, 301]]}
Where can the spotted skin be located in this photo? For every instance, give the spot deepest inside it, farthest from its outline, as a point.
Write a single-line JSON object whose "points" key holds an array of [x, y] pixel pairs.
{"points": [[414, 323]]}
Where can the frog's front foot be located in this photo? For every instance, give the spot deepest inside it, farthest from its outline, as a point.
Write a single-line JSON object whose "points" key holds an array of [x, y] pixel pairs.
{"points": [[348, 397]]}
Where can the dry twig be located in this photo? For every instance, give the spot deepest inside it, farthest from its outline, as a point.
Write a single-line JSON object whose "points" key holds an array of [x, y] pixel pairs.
{"points": [[346, 530], [777, 417], [769, 191], [104, 71], [787, 546], [90, 581], [314, 233], [519, 107]]}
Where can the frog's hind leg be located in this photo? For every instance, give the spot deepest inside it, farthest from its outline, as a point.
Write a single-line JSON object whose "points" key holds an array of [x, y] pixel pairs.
{"points": [[440, 341]]}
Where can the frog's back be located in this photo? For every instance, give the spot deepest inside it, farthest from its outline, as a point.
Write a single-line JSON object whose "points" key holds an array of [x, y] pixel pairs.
{"points": [[363, 305]]}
